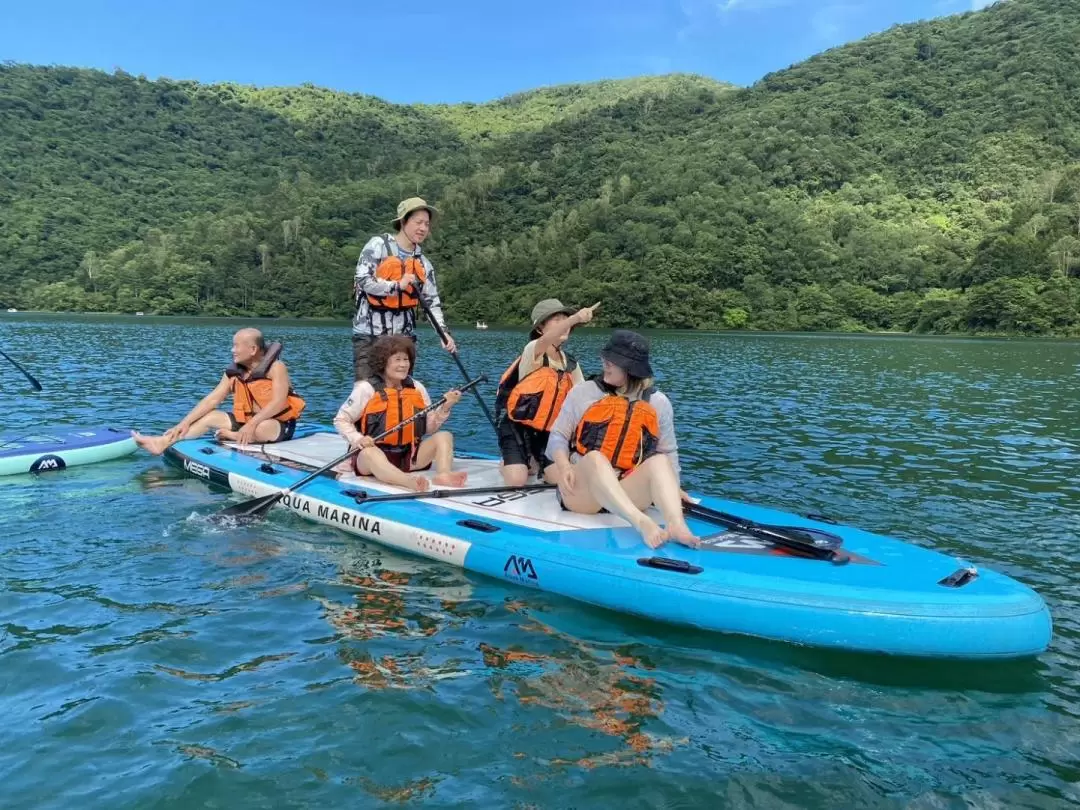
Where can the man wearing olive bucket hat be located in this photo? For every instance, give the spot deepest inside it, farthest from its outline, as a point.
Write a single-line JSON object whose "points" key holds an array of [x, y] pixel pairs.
{"points": [[392, 278], [533, 388]]}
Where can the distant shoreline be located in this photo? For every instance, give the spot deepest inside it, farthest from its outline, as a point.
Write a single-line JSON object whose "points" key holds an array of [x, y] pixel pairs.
{"points": [[465, 327]]}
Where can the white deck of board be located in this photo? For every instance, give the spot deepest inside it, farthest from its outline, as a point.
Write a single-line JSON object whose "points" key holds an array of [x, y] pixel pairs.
{"points": [[537, 510]]}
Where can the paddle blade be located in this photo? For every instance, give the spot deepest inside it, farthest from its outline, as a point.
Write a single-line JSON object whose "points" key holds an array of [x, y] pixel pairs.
{"points": [[799, 540], [249, 510], [801, 534]]}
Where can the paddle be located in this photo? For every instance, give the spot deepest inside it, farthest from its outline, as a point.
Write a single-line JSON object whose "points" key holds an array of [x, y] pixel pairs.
{"points": [[799, 540], [362, 497], [33, 382], [257, 507], [442, 336]]}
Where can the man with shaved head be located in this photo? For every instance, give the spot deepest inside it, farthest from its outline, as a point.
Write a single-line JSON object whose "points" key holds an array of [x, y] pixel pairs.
{"points": [[265, 408]]}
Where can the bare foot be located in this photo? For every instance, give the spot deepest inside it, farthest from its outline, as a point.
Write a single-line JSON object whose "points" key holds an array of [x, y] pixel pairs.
{"points": [[680, 533], [420, 484], [227, 435], [451, 479], [651, 533], [151, 444]]}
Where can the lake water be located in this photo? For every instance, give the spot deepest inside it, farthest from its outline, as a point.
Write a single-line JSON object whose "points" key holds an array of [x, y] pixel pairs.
{"points": [[149, 660]]}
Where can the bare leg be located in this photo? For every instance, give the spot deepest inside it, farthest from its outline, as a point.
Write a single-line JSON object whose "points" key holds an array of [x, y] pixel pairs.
{"points": [[159, 444], [373, 461], [267, 431], [514, 475], [440, 450], [598, 487], [657, 477]]}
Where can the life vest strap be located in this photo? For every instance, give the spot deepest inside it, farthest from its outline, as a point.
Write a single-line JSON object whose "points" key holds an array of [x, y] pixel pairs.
{"points": [[270, 356]]}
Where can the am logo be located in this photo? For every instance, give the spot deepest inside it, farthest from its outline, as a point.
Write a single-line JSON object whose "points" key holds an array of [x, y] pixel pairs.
{"points": [[520, 569], [46, 463]]}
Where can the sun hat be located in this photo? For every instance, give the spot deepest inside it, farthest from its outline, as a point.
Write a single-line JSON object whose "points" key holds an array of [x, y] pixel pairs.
{"points": [[629, 351], [406, 207], [548, 307]]}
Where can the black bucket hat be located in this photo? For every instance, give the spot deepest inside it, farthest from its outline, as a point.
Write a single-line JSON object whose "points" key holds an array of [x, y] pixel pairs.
{"points": [[629, 351]]}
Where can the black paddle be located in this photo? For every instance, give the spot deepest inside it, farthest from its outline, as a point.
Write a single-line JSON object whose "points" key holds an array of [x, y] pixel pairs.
{"points": [[33, 382], [464, 373], [257, 507], [362, 497], [799, 540], [442, 336]]}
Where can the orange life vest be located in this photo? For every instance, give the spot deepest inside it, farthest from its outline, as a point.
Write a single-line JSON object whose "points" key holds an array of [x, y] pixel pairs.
{"points": [[252, 392], [535, 401], [388, 408], [626, 432], [393, 268]]}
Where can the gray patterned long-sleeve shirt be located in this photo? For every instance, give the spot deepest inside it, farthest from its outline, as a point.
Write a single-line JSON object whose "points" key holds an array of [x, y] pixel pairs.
{"points": [[368, 323]]}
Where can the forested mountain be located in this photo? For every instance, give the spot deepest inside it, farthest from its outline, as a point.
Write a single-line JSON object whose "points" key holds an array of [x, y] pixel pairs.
{"points": [[926, 178]]}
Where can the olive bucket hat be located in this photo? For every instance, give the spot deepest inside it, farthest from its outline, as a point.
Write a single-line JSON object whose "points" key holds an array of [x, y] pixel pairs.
{"points": [[406, 207], [548, 307]]}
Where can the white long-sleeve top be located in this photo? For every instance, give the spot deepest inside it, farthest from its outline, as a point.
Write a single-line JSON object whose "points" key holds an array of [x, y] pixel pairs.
{"points": [[350, 411]]}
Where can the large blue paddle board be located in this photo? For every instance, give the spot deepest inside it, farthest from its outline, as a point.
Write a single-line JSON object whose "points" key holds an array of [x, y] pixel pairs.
{"points": [[871, 593]]}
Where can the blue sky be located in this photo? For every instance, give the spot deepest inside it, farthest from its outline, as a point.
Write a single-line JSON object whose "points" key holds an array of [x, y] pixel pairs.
{"points": [[453, 50]]}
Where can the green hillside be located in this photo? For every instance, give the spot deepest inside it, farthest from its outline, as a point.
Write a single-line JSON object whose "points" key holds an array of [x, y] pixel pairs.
{"points": [[536, 109], [926, 178]]}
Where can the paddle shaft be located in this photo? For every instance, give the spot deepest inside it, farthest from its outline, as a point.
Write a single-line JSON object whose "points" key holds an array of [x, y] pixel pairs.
{"points": [[33, 381], [363, 498], [352, 450], [266, 501], [771, 534], [442, 336]]}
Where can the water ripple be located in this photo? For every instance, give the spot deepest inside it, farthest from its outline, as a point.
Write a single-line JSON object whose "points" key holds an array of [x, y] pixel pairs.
{"points": [[148, 654]]}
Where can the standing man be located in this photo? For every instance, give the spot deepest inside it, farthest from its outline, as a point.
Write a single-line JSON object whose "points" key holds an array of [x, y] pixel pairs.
{"points": [[392, 278]]}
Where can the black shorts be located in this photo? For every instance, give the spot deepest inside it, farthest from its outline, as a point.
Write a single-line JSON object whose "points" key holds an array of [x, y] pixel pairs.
{"points": [[620, 474], [558, 497], [404, 458], [513, 438], [287, 429]]}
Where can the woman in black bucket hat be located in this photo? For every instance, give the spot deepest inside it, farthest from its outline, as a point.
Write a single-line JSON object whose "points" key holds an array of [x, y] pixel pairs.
{"points": [[614, 447]]}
